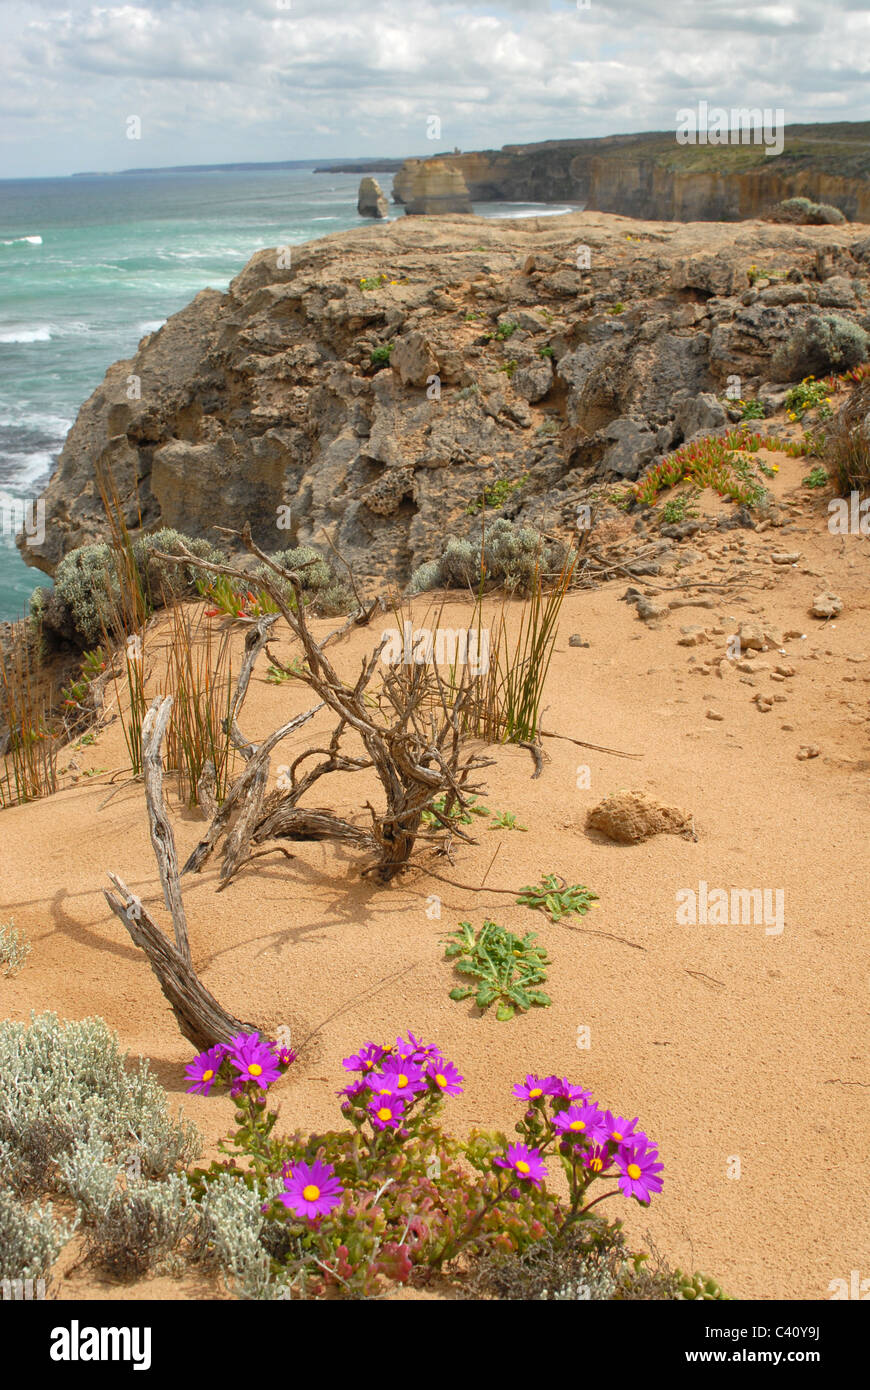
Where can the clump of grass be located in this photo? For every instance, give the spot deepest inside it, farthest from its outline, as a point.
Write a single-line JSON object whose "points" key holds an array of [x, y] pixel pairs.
{"points": [[507, 967], [28, 768], [557, 898], [14, 948], [848, 444], [506, 702], [200, 680], [129, 690]]}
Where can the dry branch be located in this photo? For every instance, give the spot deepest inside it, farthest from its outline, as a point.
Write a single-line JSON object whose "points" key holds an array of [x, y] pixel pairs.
{"points": [[200, 1017]]}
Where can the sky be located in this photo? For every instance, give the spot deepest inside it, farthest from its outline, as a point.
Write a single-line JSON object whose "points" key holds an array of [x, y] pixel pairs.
{"points": [[219, 81]]}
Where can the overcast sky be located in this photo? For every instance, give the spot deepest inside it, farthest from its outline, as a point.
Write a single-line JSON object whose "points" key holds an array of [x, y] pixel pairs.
{"points": [[223, 80]]}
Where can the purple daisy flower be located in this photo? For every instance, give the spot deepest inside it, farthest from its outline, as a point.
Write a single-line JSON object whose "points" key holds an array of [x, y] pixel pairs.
{"points": [[534, 1087], [386, 1112], [365, 1060], [618, 1130], [565, 1090], [312, 1189], [399, 1077], [286, 1056], [203, 1070], [445, 1076], [639, 1169], [580, 1122], [354, 1089], [413, 1049], [598, 1158], [525, 1162], [254, 1059]]}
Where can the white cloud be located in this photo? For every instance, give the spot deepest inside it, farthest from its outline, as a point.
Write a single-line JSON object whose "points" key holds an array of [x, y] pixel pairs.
{"points": [[255, 80]]}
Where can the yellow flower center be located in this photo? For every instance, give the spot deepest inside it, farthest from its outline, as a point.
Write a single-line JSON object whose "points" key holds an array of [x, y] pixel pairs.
{"points": [[311, 1192], [385, 1113], [255, 1069], [401, 1080], [535, 1092], [207, 1075], [440, 1079], [368, 1065], [615, 1134], [633, 1171], [522, 1166], [596, 1165], [577, 1124]]}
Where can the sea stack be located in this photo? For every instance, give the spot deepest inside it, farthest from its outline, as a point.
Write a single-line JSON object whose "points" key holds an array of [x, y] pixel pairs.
{"points": [[371, 201], [431, 186]]}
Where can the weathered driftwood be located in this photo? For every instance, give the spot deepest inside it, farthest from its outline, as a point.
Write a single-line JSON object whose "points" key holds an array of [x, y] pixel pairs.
{"points": [[200, 1017], [154, 727], [412, 742]]}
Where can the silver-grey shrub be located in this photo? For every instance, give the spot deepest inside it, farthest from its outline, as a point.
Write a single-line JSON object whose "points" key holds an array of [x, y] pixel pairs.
{"points": [[66, 1084], [14, 948], [228, 1238], [30, 1238], [512, 555]]}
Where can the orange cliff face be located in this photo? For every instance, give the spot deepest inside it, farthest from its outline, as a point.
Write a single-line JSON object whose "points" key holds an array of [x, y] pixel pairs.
{"points": [[641, 176]]}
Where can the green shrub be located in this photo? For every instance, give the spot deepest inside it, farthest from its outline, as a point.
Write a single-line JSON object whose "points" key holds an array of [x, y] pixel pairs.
{"points": [[804, 210], [824, 343]]}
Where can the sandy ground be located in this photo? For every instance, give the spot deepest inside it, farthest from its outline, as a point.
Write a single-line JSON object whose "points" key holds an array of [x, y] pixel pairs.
{"points": [[727, 1041]]}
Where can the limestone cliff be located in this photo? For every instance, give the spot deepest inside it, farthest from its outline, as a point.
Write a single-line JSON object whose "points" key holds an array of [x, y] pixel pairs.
{"points": [[651, 176], [428, 186], [380, 383]]}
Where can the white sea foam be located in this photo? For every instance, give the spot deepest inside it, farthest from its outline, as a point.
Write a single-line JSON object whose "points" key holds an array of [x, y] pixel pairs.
{"points": [[151, 326], [26, 335], [33, 240]]}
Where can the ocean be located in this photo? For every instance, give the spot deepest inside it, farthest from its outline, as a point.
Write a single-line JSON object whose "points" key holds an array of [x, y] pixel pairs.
{"points": [[88, 265]]}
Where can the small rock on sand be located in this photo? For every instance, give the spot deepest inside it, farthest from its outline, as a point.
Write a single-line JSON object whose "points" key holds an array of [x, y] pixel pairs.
{"points": [[629, 817]]}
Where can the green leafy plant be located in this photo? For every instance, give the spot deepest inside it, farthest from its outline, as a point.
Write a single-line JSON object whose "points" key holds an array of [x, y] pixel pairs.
{"points": [[509, 367], [751, 410], [373, 282], [678, 509], [546, 352], [278, 676], [817, 477], [506, 330], [506, 820], [452, 810], [507, 967], [497, 493], [380, 356], [617, 308], [805, 396], [557, 898]]}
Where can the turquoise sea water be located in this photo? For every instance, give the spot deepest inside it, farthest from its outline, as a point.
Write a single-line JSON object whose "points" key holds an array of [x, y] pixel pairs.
{"points": [[89, 265]]}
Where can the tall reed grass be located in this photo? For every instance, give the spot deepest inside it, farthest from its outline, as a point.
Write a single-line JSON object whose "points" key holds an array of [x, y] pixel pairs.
{"points": [[29, 768], [199, 677]]}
